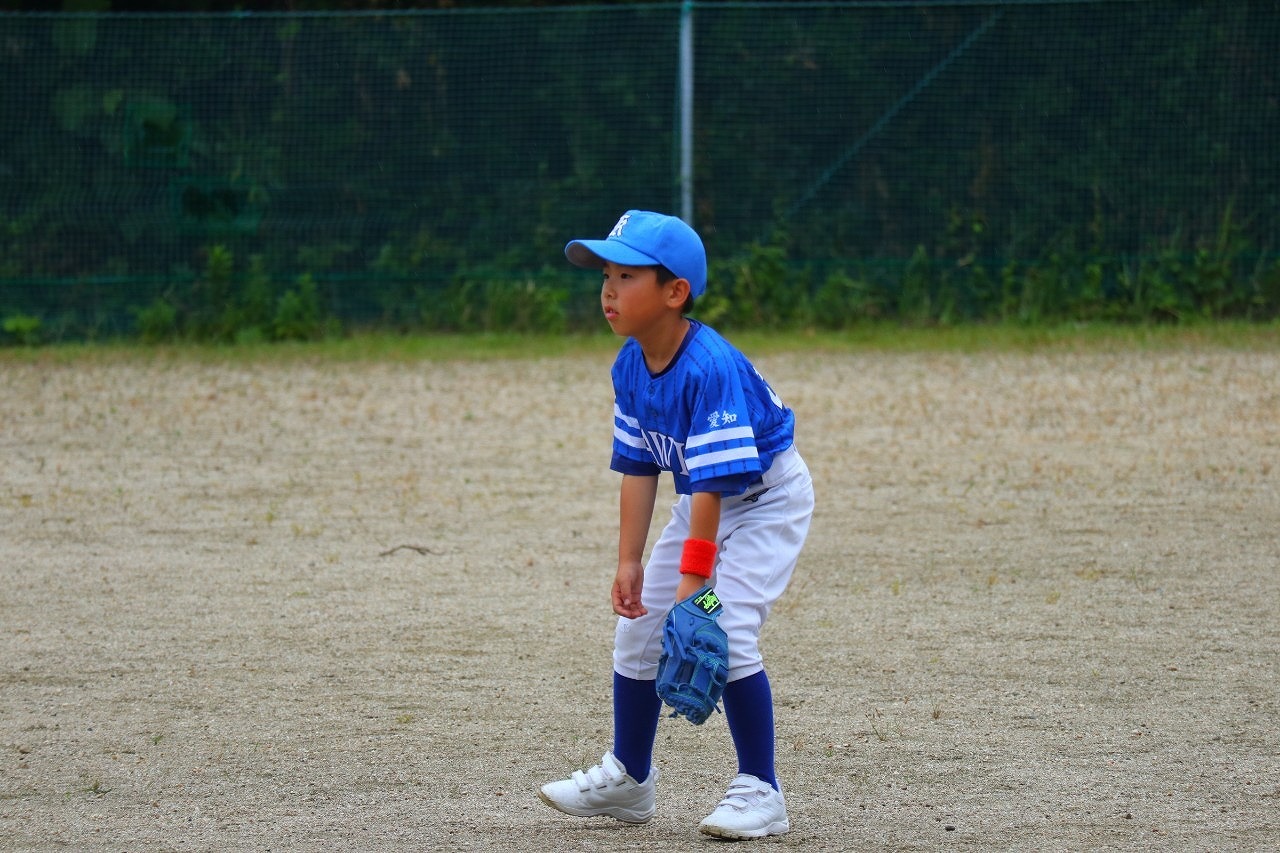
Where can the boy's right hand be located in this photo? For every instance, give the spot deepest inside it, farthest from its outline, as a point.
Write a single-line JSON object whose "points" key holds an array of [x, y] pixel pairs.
{"points": [[626, 591]]}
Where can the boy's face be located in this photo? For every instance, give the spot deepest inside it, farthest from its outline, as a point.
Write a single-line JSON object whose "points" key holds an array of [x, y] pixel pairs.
{"points": [[634, 301]]}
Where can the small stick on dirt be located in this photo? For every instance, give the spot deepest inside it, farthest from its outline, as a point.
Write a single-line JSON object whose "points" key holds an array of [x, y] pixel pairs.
{"points": [[421, 549]]}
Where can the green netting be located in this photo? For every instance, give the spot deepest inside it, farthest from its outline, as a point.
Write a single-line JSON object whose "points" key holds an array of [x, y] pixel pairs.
{"points": [[932, 157]]}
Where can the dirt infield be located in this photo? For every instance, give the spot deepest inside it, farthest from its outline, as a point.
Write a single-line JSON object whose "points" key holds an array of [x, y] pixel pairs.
{"points": [[321, 606]]}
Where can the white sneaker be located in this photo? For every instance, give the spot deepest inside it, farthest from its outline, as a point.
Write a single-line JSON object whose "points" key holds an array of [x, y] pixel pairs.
{"points": [[751, 809], [605, 789]]}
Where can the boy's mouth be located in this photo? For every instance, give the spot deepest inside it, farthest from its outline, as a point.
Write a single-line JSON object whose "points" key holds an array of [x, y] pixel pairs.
{"points": [[610, 313]]}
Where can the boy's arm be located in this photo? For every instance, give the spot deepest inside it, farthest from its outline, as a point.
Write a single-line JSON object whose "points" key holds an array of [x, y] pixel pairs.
{"points": [[704, 524], [635, 513]]}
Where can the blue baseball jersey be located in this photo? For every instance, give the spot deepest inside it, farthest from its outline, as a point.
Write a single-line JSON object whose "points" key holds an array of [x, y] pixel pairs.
{"points": [[709, 418]]}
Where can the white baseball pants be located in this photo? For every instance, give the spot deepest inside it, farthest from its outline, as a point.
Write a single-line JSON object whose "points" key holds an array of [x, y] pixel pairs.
{"points": [[759, 541]]}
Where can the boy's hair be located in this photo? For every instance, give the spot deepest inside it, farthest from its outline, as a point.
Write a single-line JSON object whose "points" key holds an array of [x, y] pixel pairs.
{"points": [[666, 276]]}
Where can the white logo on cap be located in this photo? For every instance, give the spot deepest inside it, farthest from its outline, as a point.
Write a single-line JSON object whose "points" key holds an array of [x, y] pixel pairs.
{"points": [[622, 223]]}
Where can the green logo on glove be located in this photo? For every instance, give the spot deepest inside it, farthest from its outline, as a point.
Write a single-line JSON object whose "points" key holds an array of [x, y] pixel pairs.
{"points": [[708, 602]]}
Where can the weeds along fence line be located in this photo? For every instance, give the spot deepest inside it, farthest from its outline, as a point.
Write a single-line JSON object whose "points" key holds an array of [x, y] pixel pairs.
{"points": [[282, 176]]}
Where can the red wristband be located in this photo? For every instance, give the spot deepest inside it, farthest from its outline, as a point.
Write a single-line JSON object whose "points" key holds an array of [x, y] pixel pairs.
{"points": [[698, 558]]}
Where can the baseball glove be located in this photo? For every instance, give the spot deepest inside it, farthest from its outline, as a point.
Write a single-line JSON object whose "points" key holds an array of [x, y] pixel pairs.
{"points": [[695, 657]]}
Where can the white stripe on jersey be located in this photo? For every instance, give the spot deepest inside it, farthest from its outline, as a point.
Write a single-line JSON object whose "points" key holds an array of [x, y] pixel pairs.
{"points": [[721, 456], [631, 422], [622, 435], [628, 439], [719, 435]]}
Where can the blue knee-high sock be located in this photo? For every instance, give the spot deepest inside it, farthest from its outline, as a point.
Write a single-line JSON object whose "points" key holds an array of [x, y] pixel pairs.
{"points": [[748, 707], [635, 724]]}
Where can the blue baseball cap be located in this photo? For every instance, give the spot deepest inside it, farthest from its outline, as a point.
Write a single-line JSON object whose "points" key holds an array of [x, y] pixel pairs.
{"points": [[642, 238]]}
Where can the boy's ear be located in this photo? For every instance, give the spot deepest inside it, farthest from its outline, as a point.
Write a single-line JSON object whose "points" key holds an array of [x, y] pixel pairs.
{"points": [[679, 292]]}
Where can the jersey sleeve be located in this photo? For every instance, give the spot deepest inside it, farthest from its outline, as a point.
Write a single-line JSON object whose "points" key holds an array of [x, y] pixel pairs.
{"points": [[720, 451], [630, 454]]}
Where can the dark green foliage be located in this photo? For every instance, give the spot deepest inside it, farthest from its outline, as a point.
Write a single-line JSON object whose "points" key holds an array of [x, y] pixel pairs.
{"points": [[756, 290], [298, 313], [487, 300], [23, 329], [232, 178], [843, 300], [157, 322]]}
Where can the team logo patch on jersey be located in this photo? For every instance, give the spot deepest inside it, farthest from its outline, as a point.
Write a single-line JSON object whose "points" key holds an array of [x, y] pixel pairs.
{"points": [[708, 602], [722, 419], [667, 452]]}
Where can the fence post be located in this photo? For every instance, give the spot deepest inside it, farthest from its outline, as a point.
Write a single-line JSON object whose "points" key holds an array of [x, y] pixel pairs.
{"points": [[686, 112]]}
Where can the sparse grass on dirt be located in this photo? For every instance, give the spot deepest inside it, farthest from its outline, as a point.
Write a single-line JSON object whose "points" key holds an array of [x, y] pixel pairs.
{"points": [[1081, 337]]}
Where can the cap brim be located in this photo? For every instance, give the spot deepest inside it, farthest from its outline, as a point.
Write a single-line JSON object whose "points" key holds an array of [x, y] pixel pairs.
{"points": [[592, 254]]}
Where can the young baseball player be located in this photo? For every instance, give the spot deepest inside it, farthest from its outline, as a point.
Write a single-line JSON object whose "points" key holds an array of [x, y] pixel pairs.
{"points": [[686, 401]]}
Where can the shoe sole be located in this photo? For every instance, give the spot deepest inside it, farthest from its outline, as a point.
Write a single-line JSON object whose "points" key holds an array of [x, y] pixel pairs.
{"points": [[775, 828], [617, 814]]}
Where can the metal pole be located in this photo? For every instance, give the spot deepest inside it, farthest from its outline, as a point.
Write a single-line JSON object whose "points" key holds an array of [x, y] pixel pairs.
{"points": [[686, 112]]}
